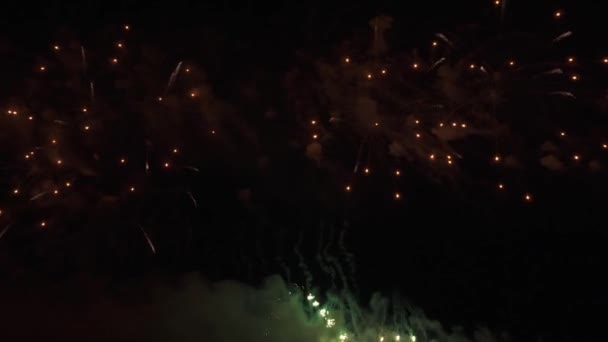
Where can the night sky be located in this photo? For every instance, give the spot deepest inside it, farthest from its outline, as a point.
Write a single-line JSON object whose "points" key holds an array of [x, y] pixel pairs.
{"points": [[169, 169]]}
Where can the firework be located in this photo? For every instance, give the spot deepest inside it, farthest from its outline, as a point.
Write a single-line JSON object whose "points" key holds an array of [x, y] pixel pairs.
{"points": [[69, 123], [465, 89]]}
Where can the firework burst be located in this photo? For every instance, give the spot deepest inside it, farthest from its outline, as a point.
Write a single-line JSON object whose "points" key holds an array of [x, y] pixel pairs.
{"points": [[439, 109], [99, 137]]}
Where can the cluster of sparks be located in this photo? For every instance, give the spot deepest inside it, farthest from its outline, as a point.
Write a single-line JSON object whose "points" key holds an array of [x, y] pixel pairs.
{"points": [[424, 130], [54, 172], [330, 323]]}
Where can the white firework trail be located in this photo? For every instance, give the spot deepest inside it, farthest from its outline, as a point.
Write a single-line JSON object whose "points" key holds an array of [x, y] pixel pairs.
{"points": [[439, 62], [356, 168], [192, 199], [38, 195], [173, 76], [556, 71], [4, 230], [444, 38], [563, 93], [92, 86], [503, 9], [150, 244], [562, 36], [147, 163], [84, 60]]}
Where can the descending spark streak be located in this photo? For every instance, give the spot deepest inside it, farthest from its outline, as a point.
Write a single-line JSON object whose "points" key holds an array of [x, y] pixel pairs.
{"points": [[562, 36], [173, 76], [359, 157], [38, 195], [84, 60], [61, 122], [92, 86], [439, 62], [444, 38], [148, 239], [192, 199], [503, 9], [564, 93], [4, 230], [556, 71]]}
